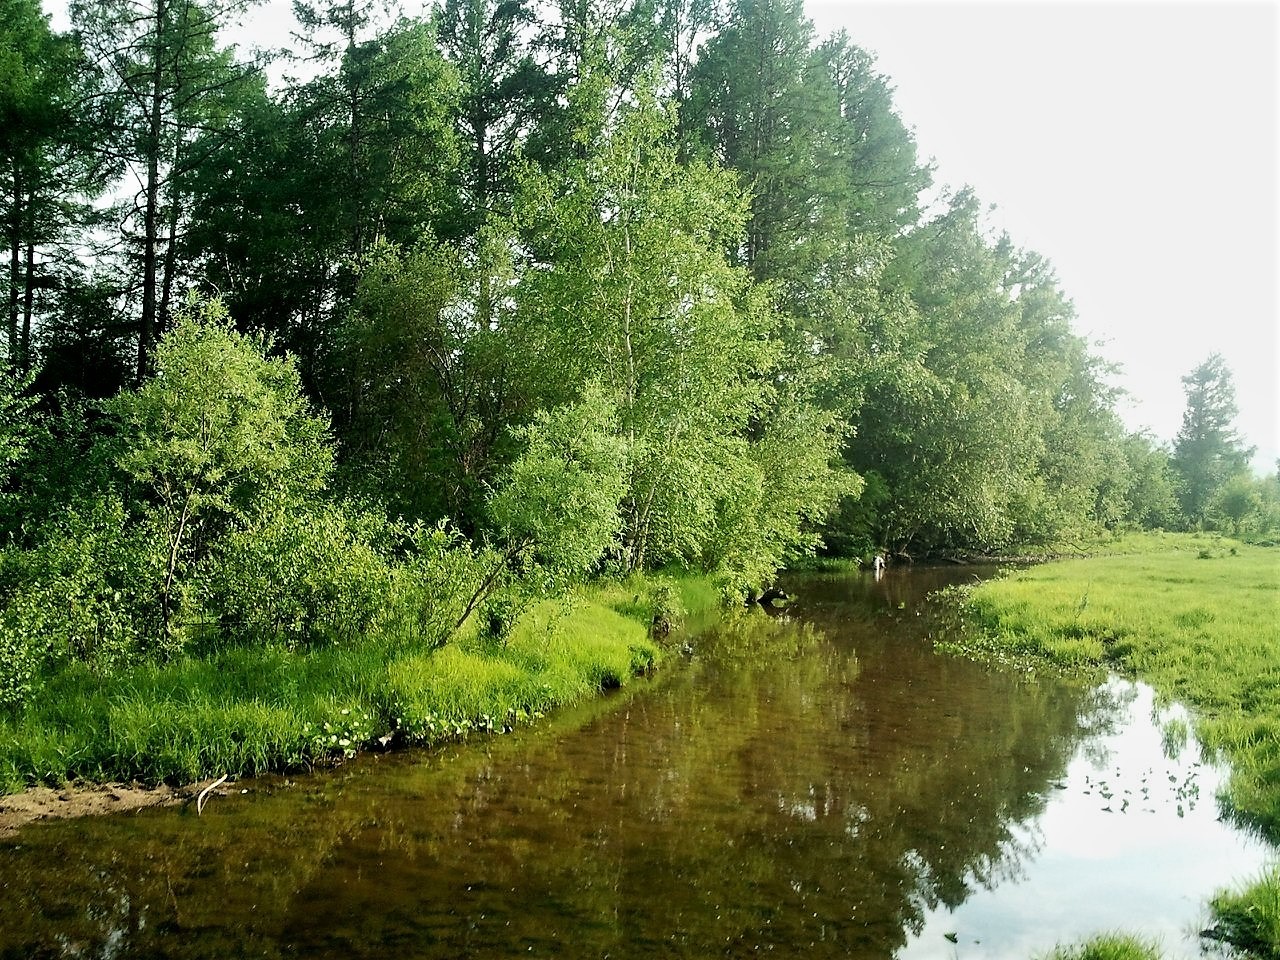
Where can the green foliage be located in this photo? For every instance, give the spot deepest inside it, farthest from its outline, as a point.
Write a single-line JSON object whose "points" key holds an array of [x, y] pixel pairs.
{"points": [[436, 585], [1248, 917], [1240, 503], [560, 497], [1152, 493], [86, 592], [218, 434], [579, 301], [638, 297], [668, 608], [1207, 451], [302, 575], [422, 382], [1109, 946], [18, 424]]}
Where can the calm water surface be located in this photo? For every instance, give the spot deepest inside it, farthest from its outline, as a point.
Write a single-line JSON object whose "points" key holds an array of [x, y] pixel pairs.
{"points": [[815, 784]]}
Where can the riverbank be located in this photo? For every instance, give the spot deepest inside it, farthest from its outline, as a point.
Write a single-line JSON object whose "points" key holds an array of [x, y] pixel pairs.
{"points": [[1194, 616], [155, 734]]}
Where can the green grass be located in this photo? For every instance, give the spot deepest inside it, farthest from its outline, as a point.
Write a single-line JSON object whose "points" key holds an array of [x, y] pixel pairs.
{"points": [[1196, 617], [1111, 946], [1249, 917], [248, 710], [557, 654]]}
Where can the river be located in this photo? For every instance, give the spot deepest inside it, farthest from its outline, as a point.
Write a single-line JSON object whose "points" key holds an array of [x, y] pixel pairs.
{"points": [[811, 783]]}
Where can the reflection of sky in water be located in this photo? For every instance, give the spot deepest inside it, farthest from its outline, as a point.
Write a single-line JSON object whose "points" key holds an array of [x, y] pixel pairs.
{"points": [[1114, 853]]}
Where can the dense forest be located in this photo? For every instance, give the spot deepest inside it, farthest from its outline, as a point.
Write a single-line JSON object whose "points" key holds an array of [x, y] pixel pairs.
{"points": [[440, 314]]}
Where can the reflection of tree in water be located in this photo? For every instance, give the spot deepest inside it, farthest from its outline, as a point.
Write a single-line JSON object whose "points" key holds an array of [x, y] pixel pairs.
{"points": [[795, 785]]}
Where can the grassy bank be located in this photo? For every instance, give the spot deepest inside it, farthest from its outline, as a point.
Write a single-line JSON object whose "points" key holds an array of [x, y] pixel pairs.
{"points": [[1196, 617], [247, 710]]}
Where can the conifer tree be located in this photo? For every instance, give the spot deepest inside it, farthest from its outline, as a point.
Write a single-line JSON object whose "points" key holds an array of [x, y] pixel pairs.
{"points": [[1207, 451]]}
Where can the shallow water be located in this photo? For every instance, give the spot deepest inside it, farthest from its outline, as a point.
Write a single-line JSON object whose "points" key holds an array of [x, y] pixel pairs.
{"points": [[814, 784]]}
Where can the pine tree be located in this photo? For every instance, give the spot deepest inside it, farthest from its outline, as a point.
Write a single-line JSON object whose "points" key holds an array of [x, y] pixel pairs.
{"points": [[1207, 451]]}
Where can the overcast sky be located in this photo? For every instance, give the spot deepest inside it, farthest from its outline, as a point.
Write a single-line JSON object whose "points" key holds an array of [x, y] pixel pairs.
{"points": [[1134, 145]]}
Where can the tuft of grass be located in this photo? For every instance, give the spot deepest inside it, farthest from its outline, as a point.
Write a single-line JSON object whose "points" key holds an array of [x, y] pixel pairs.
{"points": [[1248, 917], [697, 597], [1109, 946]]}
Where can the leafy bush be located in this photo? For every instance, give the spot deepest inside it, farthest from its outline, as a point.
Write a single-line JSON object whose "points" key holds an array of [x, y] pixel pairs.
{"points": [[436, 584], [85, 592], [303, 576], [220, 436]]}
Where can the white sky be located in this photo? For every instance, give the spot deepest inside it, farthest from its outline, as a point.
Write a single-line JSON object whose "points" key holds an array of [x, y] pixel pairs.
{"points": [[1134, 145]]}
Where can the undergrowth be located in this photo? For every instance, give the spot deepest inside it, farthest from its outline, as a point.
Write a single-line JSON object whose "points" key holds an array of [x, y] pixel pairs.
{"points": [[250, 709]]}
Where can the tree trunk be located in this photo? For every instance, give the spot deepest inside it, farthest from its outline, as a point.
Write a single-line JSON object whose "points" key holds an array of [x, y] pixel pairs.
{"points": [[15, 254], [28, 298], [151, 207], [170, 251]]}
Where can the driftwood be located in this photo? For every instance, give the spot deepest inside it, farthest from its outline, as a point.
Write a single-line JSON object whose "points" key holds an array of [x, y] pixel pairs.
{"points": [[206, 791]]}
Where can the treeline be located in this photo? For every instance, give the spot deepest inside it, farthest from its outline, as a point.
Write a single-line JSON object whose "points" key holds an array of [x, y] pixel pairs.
{"points": [[484, 301]]}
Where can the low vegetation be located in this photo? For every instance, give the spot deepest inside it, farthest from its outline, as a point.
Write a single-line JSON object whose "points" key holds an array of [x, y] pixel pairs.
{"points": [[1195, 616], [1249, 917], [253, 708], [1115, 946]]}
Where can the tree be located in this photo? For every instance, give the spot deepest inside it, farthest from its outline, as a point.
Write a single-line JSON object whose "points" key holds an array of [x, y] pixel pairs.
{"points": [[49, 165], [948, 424], [1152, 494], [1238, 500], [165, 85], [505, 94], [383, 148], [421, 381], [1207, 451], [215, 437], [559, 500], [634, 292]]}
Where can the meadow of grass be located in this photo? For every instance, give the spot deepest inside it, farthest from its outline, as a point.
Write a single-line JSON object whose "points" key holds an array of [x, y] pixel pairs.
{"points": [[247, 710], [1195, 616]]}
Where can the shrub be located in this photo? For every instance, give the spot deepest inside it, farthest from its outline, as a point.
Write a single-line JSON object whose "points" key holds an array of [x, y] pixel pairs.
{"points": [[304, 576]]}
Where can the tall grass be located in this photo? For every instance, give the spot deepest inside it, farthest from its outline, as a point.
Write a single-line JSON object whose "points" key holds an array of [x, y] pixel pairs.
{"points": [[1249, 917], [246, 710], [1110, 946]]}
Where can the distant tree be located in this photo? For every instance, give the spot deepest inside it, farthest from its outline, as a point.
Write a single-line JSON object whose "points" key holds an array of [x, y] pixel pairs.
{"points": [[1152, 494], [1239, 501], [1207, 451]]}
